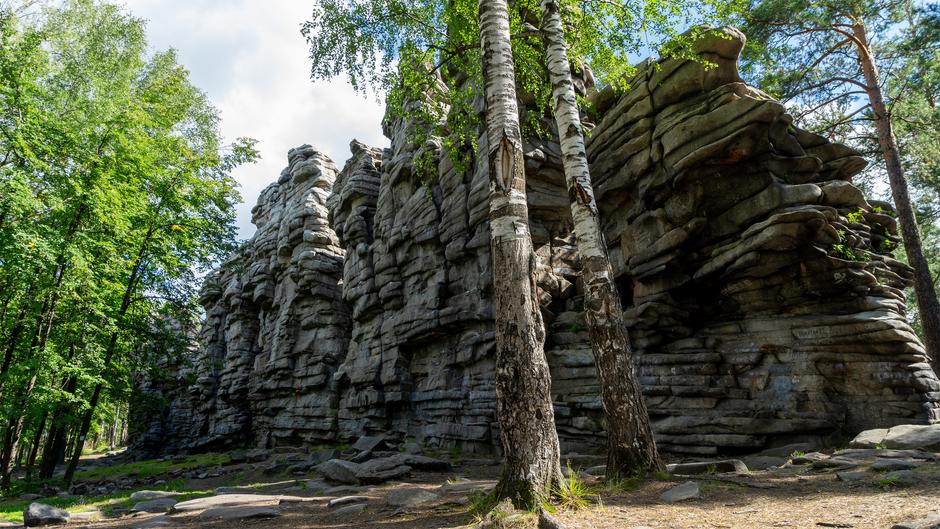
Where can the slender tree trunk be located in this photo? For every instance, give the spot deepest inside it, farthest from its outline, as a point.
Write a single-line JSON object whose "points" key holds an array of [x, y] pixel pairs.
{"points": [[523, 382], [927, 304], [631, 447], [13, 339], [129, 289], [34, 448]]}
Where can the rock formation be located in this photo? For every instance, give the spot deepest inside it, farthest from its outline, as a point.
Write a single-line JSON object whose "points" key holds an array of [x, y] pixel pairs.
{"points": [[763, 296], [763, 299], [275, 330]]}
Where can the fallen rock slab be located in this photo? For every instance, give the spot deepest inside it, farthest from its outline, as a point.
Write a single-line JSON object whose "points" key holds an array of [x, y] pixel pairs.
{"points": [[467, 486], [761, 462], [240, 513], [410, 497], [808, 459], [381, 470], [350, 510], [142, 495], [157, 522], [884, 453], [40, 514], [708, 467], [887, 465], [899, 477], [159, 505], [686, 491], [346, 500], [836, 462], [339, 471], [852, 475], [368, 443], [869, 438], [225, 500], [919, 436], [905, 436]]}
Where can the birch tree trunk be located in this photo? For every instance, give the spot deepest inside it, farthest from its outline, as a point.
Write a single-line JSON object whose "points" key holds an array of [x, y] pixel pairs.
{"points": [[924, 289], [631, 448], [523, 383]]}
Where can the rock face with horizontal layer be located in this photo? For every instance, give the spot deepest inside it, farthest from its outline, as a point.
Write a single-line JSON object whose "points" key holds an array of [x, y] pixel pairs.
{"points": [[762, 295], [763, 300], [276, 329]]}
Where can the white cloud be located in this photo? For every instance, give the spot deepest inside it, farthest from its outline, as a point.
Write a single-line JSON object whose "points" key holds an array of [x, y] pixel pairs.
{"points": [[249, 56]]}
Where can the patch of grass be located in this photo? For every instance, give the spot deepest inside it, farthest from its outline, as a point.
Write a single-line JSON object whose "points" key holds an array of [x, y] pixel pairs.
{"points": [[12, 510], [503, 515], [662, 475], [481, 504], [888, 482], [797, 453], [152, 467], [575, 494], [627, 484]]}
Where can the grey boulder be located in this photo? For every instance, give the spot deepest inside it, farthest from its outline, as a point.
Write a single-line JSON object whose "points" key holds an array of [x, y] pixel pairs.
{"points": [[686, 491], [339, 471], [39, 514], [410, 497], [157, 505]]}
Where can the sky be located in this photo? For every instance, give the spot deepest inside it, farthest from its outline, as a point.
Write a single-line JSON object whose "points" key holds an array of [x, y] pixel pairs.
{"points": [[249, 57]]}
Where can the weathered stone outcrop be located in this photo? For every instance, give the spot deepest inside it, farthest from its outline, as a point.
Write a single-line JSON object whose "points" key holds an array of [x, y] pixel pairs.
{"points": [[276, 328], [762, 294], [762, 297]]}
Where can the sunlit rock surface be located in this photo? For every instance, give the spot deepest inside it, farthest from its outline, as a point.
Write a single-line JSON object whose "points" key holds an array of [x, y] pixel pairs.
{"points": [[763, 300]]}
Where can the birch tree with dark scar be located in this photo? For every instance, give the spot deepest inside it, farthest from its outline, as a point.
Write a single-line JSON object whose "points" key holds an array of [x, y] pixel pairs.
{"points": [[523, 383], [631, 447]]}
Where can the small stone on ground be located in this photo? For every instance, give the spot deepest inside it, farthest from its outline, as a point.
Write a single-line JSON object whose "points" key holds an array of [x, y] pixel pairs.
{"points": [[686, 491]]}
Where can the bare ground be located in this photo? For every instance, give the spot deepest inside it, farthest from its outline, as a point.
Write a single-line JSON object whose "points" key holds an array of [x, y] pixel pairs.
{"points": [[792, 496]]}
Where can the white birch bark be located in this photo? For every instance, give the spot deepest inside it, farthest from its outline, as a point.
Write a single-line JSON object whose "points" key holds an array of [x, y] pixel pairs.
{"points": [[523, 382], [631, 447]]}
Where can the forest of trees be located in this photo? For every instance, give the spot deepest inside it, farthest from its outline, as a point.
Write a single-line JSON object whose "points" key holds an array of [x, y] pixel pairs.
{"points": [[115, 195], [116, 192]]}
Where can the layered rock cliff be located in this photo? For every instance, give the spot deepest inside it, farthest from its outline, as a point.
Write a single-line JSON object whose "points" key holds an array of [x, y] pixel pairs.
{"points": [[762, 297]]}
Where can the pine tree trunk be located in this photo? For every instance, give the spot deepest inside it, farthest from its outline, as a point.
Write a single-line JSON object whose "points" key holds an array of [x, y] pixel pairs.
{"points": [[631, 447], [523, 383], [927, 304]]}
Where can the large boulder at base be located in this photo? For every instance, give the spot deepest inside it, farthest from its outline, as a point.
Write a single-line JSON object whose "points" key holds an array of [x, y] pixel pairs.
{"points": [[903, 437], [39, 514], [340, 471]]}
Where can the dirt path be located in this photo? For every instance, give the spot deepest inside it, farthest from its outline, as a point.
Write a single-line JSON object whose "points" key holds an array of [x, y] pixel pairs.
{"points": [[795, 498]]}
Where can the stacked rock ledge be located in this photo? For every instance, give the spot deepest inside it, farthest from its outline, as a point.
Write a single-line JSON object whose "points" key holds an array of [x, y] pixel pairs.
{"points": [[763, 300]]}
